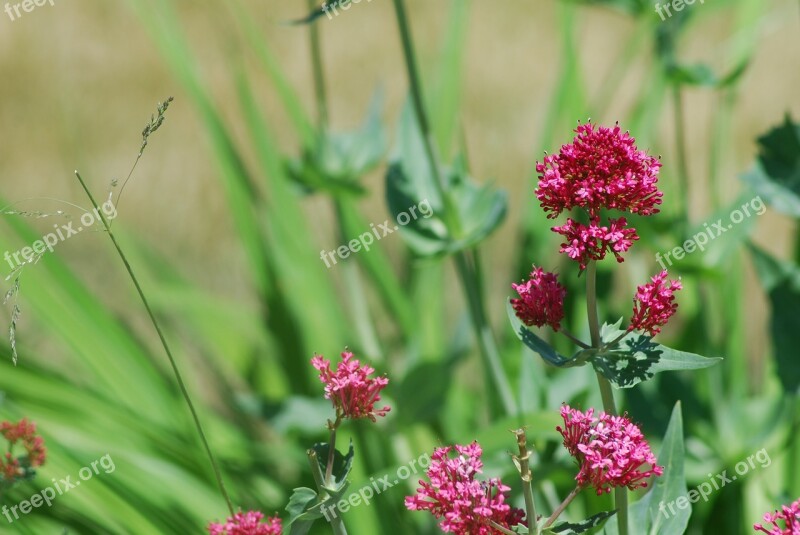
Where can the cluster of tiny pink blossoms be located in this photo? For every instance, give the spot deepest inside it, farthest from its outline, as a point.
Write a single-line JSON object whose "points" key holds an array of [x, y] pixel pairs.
{"points": [[789, 515], [541, 300], [654, 304], [248, 523], [600, 169], [465, 504], [611, 450], [13, 468], [350, 388]]}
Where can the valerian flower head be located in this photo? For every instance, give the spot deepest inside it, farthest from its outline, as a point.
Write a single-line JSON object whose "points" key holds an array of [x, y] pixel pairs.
{"points": [[601, 168], [541, 300], [248, 523], [611, 450], [350, 388], [654, 304], [789, 516], [465, 504], [13, 467]]}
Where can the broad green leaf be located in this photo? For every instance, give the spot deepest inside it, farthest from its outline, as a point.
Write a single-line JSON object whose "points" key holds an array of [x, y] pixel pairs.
{"points": [[637, 358], [585, 526], [300, 521], [776, 174], [781, 281]]}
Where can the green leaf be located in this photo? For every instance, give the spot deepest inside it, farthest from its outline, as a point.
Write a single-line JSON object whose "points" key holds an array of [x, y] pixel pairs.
{"points": [[480, 209], [781, 280], [300, 518], [337, 160], [591, 523], [342, 464], [776, 174], [637, 358], [536, 344], [651, 515], [423, 392]]}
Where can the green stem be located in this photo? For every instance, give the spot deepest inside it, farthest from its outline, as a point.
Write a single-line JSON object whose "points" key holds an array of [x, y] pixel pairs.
{"points": [[527, 481], [465, 262], [337, 524], [331, 449], [683, 160], [620, 493], [319, 77], [560, 508], [165, 345]]}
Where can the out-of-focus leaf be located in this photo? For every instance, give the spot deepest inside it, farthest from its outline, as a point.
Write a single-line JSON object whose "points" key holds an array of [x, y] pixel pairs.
{"points": [[423, 392], [781, 281], [776, 174]]}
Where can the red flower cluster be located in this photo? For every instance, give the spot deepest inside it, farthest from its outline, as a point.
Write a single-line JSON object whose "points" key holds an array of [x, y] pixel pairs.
{"points": [[611, 450], [654, 304], [350, 388], [465, 503], [541, 300], [24, 431], [248, 523], [585, 243], [789, 514], [600, 169]]}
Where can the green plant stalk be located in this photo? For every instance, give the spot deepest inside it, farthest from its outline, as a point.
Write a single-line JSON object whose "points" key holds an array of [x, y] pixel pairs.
{"points": [[337, 524], [527, 481], [620, 493], [464, 260], [683, 160], [560, 508], [165, 345], [319, 77]]}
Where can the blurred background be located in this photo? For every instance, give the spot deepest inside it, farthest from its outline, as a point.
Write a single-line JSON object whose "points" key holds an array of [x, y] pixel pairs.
{"points": [[224, 222]]}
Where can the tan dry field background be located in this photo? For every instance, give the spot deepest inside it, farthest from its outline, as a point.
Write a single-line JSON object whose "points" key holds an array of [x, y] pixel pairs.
{"points": [[80, 79]]}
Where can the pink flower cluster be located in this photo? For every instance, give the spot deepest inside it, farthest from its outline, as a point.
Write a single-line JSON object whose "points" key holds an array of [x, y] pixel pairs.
{"points": [[248, 523], [611, 450], [600, 169], [654, 304], [585, 243], [465, 503], [789, 515], [541, 300], [23, 431], [350, 388]]}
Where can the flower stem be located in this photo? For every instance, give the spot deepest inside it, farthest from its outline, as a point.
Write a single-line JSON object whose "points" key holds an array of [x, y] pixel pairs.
{"points": [[501, 529], [337, 524], [331, 448], [527, 481], [560, 508], [620, 493], [466, 262], [319, 78], [175, 370], [574, 338], [683, 160]]}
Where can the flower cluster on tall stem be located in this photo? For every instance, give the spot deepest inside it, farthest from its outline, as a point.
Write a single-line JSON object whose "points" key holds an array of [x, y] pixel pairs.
{"points": [[465, 504], [789, 516], [249, 523], [15, 467], [611, 450], [601, 169], [350, 388]]}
